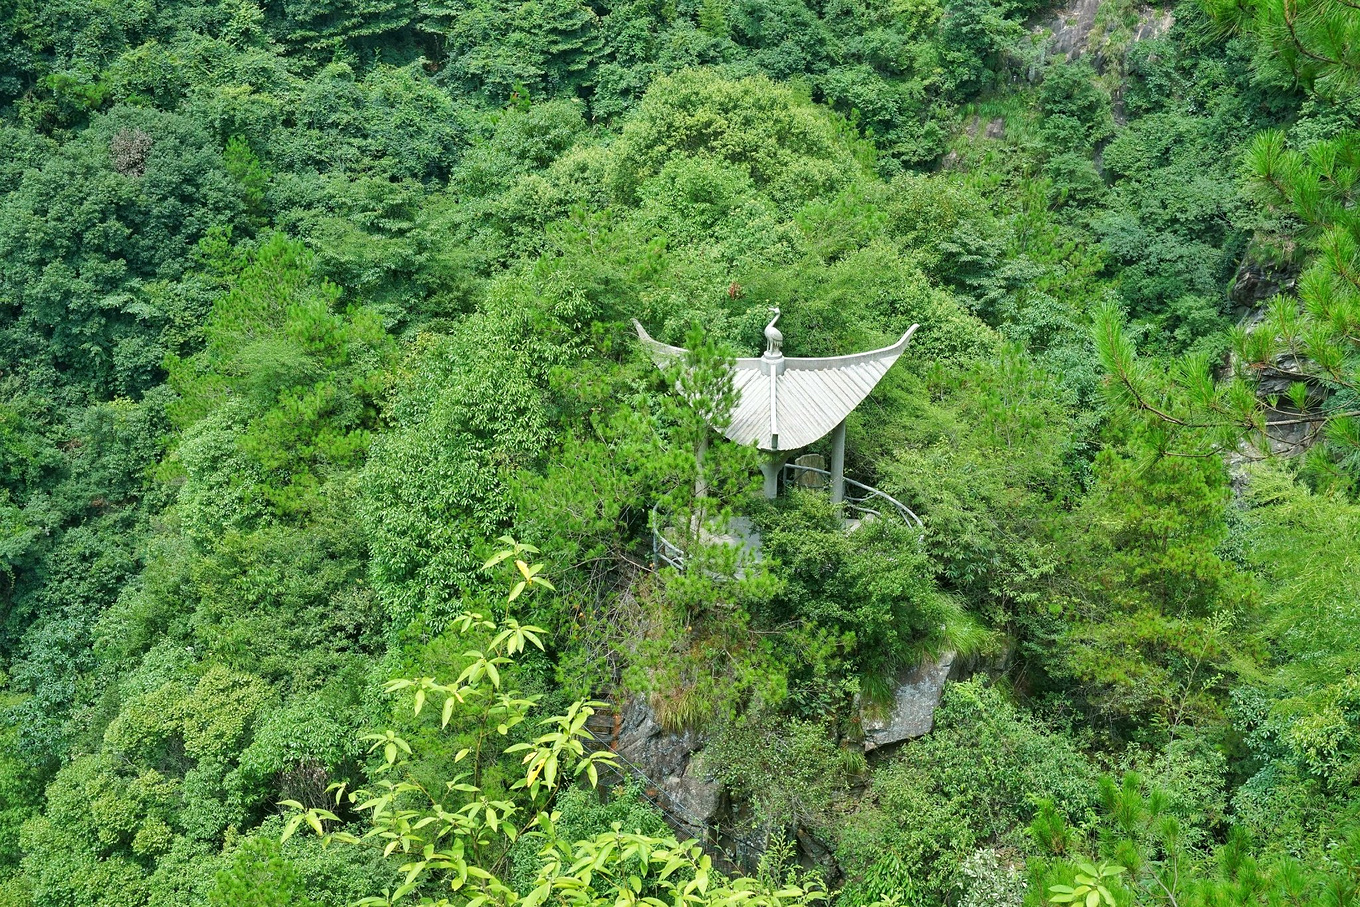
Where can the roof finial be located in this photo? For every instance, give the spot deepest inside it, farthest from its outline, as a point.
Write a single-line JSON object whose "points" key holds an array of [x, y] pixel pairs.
{"points": [[775, 338]]}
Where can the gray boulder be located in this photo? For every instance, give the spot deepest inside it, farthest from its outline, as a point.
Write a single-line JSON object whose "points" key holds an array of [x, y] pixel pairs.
{"points": [[912, 713], [668, 759]]}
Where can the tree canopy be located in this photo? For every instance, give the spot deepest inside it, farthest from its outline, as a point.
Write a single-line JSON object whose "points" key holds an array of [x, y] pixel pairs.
{"points": [[310, 309]]}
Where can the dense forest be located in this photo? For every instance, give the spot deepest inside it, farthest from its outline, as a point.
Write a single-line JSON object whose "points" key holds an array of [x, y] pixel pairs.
{"points": [[330, 462]]}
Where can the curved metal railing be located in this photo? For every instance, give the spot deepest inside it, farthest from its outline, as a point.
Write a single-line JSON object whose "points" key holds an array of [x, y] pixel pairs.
{"points": [[664, 551], [668, 551], [865, 500], [861, 498]]}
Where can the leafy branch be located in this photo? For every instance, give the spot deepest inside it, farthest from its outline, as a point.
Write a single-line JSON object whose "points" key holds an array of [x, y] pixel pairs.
{"points": [[450, 840]]}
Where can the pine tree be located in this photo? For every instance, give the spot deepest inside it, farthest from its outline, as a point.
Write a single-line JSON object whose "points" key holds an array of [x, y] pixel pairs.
{"points": [[1312, 342], [1316, 41]]}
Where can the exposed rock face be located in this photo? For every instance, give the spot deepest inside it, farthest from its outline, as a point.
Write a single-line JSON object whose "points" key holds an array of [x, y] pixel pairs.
{"points": [[699, 806], [1288, 432], [1255, 284], [1077, 31], [1072, 27], [814, 853], [697, 793], [913, 710], [992, 664], [668, 759]]}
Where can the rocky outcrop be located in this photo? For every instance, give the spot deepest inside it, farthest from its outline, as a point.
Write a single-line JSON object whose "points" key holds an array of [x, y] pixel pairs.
{"points": [[1078, 30], [1071, 27], [695, 804], [1288, 432], [668, 759], [1255, 284], [912, 712]]}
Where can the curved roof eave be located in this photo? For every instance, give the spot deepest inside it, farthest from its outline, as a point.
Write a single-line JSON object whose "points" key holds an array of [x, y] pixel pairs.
{"points": [[810, 395]]}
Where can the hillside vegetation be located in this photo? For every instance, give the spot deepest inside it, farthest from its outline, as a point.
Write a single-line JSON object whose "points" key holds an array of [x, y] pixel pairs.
{"points": [[310, 309]]}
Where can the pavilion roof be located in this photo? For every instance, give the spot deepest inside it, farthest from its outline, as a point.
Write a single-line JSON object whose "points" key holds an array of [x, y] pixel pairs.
{"points": [[787, 403]]}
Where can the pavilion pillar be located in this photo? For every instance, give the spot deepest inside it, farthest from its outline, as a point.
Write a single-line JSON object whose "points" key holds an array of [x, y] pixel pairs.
{"points": [[696, 519], [700, 479], [769, 468], [838, 464]]}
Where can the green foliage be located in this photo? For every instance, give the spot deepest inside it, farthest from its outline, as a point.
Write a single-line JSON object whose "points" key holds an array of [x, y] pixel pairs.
{"points": [[1305, 194], [582, 814], [100, 829], [327, 25], [1317, 187], [1148, 858], [1312, 42], [974, 779], [871, 588], [1088, 887], [1295, 720], [984, 458], [1157, 522], [281, 600], [209, 721], [469, 412], [699, 654], [991, 877], [84, 233], [792, 772], [1151, 636], [20, 797], [302, 376], [246, 169], [259, 876], [1076, 113], [454, 835], [757, 128], [504, 52], [301, 301]]}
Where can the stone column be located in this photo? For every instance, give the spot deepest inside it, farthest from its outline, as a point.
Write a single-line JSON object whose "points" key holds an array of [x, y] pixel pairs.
{"points": [[838, 463], [769, 467], [700, 479]]}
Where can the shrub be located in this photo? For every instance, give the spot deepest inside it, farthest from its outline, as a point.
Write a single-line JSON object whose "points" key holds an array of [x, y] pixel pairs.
{"points": [[974, 781]]}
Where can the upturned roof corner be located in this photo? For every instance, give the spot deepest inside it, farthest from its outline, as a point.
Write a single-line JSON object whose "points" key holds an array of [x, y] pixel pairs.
{"points": [[787, 403]]}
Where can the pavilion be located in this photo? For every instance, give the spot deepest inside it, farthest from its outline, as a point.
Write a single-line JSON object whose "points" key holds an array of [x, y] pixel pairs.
{"points": [[785, 404]]}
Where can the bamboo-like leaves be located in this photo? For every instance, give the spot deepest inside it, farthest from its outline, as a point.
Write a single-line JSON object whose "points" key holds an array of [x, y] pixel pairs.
{"points": [[1090, 888], [529, 573], [450, 837]]}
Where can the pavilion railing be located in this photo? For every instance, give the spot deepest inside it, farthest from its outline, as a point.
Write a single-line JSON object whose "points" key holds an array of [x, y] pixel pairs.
{"points": [[863, 500], [859, 498], [667, 550], [664, 551]]}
